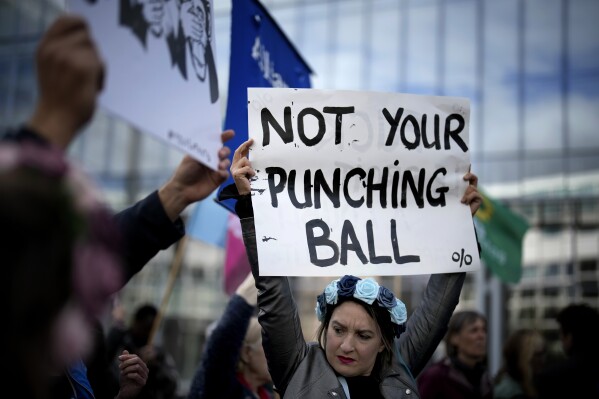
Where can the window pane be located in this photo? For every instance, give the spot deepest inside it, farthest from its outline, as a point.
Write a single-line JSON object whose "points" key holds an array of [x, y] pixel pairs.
{"points": [[500, 86], [584, 73], [386, 52], [460, 49], [542, 86], [552, 270], [421, 62]]}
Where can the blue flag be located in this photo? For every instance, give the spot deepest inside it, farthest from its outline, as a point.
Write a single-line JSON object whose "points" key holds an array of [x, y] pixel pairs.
{"points": [[261, 56], [208, 222]]}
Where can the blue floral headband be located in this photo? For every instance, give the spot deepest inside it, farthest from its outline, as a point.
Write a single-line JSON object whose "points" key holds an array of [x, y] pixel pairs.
{"points": [[366, 290]]}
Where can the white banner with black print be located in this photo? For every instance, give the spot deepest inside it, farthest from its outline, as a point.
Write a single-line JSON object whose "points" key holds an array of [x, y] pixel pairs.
{"points": [[161, 70], [360, 183]]}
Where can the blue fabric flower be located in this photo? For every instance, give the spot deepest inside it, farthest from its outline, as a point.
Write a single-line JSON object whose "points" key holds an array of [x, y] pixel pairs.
{"points": [[399, 315], [386, 298], [367, 290], [330, 292], [346, 286], [321, 307]]}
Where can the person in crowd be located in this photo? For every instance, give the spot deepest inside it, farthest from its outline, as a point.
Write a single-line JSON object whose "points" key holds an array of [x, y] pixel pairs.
{"points": [[37, 264], [523, 355], [77, 382], [366, 347], [578, 375], [50, 228], [463, 373], [100, 372], [70, 76], [163, 375], [233, 364]]}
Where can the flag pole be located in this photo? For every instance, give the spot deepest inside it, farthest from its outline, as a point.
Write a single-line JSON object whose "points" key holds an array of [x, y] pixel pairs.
{"points": [[173, 273]]}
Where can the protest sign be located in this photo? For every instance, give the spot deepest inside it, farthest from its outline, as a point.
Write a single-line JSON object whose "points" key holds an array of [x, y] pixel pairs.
{"points": [[360, 183], [161, 72]]}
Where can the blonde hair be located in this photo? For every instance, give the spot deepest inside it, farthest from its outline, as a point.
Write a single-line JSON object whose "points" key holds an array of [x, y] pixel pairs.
{"points": [[253, 338], [519, 351]]}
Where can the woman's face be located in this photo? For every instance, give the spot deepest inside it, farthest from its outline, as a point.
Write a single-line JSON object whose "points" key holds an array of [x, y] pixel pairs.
{"points": [[471, 340], [353, 340]]}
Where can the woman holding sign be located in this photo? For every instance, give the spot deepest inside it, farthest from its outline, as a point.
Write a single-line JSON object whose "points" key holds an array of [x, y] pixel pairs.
{"points": [[367, 347]]}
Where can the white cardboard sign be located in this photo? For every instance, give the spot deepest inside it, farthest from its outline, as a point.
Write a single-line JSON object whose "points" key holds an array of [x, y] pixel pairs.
{"points": [[161, 72], [360, 183]]}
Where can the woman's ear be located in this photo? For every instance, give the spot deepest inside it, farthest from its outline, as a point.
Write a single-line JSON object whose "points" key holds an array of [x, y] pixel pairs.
{"points": [[244, 355]]}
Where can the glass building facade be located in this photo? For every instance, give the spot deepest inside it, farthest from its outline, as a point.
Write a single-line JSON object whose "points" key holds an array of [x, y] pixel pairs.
{"points": [[530, 69]]}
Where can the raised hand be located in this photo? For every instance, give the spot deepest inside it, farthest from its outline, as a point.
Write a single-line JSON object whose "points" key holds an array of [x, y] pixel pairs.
{"points": [[472, 197], [241, 168], [193, 181], [133, 376], [70, 76], [248, 291]]}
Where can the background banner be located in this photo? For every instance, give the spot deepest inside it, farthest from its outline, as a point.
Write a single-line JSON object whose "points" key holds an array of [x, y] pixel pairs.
{"points": [[161, 71], [501, 233]]}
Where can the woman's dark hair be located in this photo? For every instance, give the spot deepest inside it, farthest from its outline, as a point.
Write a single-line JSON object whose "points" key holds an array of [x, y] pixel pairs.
{"points": [[582, 322], [458, 321], [383, 320]]}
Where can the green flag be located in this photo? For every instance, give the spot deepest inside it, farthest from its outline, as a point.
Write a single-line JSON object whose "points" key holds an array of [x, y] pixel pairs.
{"points": [[500, 232]]}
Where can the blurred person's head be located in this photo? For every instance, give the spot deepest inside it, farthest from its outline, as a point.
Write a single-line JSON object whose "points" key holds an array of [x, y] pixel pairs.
{"points": [[252, 360], [359, 321], [46, 236], [579, 329], [466, 337], [523, 355], [142, 323]]}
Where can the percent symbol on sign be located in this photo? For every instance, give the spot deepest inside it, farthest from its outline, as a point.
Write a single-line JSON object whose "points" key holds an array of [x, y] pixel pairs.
{"points": [[457, 257]]}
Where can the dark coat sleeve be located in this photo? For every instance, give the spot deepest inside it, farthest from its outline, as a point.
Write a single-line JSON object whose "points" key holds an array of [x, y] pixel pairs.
{"points": [[216, 376], [146, 230]]}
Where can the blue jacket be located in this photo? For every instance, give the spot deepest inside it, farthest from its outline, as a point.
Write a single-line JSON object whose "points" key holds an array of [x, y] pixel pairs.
{"points": [[77, 376]]}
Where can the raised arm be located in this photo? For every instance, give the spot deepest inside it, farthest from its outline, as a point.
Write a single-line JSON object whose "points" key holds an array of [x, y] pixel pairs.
{"points": [[282, 339], [216, 376], [154, 224], [427, 326]]}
